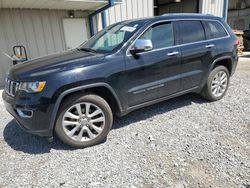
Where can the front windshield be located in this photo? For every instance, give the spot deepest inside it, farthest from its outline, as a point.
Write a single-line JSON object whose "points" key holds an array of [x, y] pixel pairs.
{"points": [[110, 38]]}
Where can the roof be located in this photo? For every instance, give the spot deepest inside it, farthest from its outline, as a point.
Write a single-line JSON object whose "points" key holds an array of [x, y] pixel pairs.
{"points": [[187, 15], [177, 16]]}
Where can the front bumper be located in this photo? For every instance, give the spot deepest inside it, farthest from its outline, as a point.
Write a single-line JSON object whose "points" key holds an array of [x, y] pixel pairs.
{"points": [[39, 123]]}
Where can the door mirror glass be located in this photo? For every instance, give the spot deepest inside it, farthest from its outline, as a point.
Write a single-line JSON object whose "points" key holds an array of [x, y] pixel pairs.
{"points": [[142, 45], [20, 53]]}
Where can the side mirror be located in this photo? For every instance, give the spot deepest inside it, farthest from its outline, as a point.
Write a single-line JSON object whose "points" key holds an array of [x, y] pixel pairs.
{"points": [[20, 53], [141, 45]]}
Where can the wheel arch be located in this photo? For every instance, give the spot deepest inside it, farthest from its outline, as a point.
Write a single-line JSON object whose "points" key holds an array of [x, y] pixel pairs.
{"points": [[226, 61], [108, 94]]}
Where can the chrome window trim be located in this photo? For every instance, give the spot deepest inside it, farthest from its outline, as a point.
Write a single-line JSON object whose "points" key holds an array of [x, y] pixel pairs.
{"points": [[128, 54]]}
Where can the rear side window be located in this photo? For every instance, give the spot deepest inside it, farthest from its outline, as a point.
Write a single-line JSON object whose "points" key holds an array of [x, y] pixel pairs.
{"points": [[190, 31], [161, 35], [214, 29]]}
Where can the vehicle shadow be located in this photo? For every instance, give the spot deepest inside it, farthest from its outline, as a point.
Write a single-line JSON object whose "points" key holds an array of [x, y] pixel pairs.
{"points": [[19, 140], [159, 108]]}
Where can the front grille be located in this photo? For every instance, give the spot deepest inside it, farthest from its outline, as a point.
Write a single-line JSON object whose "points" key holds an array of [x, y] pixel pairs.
{"points": [[11, 87]]}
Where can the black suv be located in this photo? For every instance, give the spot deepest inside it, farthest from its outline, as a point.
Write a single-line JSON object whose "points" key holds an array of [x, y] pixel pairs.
{"points": [[246, 40], [126, 66]]}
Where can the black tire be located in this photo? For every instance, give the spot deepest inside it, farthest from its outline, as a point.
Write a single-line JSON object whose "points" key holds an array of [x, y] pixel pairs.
{"points": [[207, 89], [87, 98]]}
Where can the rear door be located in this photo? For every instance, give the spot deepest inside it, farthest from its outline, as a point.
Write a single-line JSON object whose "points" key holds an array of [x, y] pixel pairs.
{"points": [[196, 52], [217, 35]]}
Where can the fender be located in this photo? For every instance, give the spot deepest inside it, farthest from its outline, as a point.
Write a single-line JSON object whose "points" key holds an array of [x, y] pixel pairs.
{"points": [[211, 68], [72, 90], [219, 59]]}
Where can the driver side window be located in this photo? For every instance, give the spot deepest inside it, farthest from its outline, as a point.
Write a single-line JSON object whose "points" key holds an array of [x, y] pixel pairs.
{"points": [[161, 35]]}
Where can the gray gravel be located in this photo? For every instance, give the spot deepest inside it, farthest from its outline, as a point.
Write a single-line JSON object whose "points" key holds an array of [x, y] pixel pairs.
{"points": [[183, 142]]}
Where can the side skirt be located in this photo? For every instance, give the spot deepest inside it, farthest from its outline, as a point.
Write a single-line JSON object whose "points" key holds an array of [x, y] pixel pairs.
{"points": [[135, 107]]}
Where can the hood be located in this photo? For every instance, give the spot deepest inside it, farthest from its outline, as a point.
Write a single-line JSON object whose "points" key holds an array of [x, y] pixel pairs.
{"points": [[53, 63]]}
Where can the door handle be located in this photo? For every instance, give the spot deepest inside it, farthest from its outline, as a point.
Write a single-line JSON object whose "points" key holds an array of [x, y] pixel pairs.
{"points": [[173, 53], [209, 46]]}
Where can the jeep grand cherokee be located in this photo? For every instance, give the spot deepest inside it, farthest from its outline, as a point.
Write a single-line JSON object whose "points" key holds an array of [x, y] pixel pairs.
{"points": [[126, 66]]}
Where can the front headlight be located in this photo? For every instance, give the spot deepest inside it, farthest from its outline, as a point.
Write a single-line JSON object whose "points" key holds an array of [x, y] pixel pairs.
{"points": [[32, 87]]}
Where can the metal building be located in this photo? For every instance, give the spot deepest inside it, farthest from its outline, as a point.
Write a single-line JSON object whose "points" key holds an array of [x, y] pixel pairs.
{"points": [[49, 26]]}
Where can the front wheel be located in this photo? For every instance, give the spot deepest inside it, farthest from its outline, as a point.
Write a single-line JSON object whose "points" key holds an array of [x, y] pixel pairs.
{"points": [[84, 120], [217, 84]]}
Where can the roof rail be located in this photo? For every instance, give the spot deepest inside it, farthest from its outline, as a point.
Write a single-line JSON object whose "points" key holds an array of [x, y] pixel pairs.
{"points": [[188, 14]]}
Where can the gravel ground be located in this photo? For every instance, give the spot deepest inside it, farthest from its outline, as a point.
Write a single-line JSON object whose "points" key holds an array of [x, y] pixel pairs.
{"points": [[183, 142]]}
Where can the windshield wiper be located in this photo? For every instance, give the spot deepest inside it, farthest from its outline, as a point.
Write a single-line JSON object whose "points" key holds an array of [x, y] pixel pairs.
{"points": [[87, 50]]}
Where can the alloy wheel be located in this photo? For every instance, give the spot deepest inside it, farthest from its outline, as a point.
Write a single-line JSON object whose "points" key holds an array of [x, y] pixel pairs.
{"points": [[83, 121], [219, 84]]}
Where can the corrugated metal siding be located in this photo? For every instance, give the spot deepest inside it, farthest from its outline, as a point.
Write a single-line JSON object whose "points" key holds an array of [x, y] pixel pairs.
{"points": [[54, 4], [40, 31], [214, 7], [128, 9]]}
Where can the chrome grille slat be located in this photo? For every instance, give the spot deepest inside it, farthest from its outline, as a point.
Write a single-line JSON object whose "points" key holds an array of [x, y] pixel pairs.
{"points": [[8, 86], [11, 87], [17, 85]]}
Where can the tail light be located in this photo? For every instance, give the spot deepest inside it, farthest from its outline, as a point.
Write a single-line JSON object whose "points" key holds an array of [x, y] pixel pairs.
{"points": [[237, 41]]}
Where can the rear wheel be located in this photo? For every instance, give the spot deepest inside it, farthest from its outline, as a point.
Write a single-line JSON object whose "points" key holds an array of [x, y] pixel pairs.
{"points": [[84, 121], [217, 84]]}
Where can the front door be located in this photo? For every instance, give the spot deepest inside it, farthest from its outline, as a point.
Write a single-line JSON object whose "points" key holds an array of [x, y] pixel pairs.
{"points": [[154, 74]]}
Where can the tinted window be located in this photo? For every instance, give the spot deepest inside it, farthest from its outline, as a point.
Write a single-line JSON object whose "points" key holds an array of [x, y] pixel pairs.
{"points": [[190, 31], [214, 29], [161, 35]]}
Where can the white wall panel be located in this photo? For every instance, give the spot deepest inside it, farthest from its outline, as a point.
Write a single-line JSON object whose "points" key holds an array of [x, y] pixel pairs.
{"points": [[140, 8], [40, 31], [214, 7], [128, 9], [75, 32]]}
